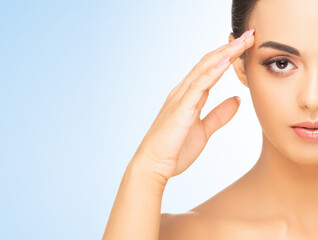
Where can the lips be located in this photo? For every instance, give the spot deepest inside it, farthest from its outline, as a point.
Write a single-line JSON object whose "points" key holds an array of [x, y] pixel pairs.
{"points": [[306, 130], [306, 134], [307, 125]]}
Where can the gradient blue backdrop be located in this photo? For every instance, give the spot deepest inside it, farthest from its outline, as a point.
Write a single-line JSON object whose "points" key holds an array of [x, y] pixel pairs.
{"points": [[80, 84]]}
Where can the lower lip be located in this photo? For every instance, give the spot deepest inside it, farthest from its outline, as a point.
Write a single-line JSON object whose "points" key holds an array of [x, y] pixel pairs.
{"points": [[306, 134]]}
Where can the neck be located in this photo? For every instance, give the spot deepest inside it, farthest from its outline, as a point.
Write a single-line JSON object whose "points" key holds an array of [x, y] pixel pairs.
{"points": [[287, 187]]}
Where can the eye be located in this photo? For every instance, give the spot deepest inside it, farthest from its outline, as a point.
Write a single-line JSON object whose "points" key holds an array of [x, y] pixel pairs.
{"points": [[279, 65]]}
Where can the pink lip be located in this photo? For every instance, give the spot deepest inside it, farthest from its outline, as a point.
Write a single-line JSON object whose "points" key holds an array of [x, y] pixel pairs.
{"points": [[306, 124], [306, 134], [303, 131]]}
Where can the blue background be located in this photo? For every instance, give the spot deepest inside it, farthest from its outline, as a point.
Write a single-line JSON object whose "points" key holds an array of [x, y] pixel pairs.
{"points": [[80, 84]]}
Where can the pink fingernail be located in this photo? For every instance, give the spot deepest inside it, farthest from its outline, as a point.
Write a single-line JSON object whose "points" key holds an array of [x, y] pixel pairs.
{"points": [[224, 61], [244, 36], [249, 33], [237, 41]]}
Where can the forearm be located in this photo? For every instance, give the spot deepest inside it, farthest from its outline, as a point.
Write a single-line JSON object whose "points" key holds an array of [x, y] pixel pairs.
{"points": [[136, 211]]}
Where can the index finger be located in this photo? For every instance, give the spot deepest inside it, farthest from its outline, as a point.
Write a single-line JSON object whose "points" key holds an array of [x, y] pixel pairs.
{"points": [[209, 70], [210, 61]]}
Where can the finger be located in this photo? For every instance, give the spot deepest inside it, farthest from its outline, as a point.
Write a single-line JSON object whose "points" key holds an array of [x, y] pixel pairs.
{"points": [[196, 70], [206, 81], [192, 97], [220, 116], [210, 61], [176, 88]]}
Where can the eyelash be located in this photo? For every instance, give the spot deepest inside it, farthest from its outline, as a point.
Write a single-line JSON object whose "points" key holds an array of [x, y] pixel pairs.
{"points": [[267, 63]]}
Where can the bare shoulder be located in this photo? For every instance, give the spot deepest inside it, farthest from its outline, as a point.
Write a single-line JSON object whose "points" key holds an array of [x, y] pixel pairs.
{"points": [[185, 226], [196, 225], [233, 213], [209, 220]]}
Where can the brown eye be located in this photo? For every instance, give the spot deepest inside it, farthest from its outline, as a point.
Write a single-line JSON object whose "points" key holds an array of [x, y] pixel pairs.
{"points": [[281, 64]]}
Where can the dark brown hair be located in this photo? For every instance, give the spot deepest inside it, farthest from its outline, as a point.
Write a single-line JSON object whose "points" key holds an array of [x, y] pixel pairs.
{"points": [[241, 12]]}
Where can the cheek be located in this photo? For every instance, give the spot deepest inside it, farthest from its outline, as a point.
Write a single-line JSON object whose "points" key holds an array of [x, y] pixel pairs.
{"points": [[271, 99], [265, 102]]}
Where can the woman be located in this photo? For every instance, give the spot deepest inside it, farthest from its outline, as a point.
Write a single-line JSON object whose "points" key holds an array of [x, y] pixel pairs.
{"points": [[278, 197]]}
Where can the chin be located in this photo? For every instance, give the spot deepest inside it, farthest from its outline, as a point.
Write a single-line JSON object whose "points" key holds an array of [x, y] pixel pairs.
{"points": [[292, 148], [300, 153]]}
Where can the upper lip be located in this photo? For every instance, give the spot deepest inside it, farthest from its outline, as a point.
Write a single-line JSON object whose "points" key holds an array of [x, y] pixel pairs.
{"points": [[306, 124]]}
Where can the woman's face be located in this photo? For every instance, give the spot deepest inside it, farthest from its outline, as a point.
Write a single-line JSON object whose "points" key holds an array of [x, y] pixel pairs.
{"points": [[285, 92]]}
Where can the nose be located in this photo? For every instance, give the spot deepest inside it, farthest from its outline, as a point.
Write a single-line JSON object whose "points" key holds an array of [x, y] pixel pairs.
{"points": [[308, 97]]}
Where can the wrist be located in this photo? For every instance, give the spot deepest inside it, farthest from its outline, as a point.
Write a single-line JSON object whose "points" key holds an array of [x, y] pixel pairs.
{"points": [[139, 166]]}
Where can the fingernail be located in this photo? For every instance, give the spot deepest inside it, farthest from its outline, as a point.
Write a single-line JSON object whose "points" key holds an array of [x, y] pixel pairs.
{"points": [[245, 35], [237, 41], [238, 99], [224, 61], [249, 33]]}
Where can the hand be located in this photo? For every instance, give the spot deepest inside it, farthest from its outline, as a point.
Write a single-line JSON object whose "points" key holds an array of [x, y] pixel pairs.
{"points": [[178, 135]]}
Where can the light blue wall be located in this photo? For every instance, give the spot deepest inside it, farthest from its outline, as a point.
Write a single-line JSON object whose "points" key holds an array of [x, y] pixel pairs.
{"points": [[80, 84]]}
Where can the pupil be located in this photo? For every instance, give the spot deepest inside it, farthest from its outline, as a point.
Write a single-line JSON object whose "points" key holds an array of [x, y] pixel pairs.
{"points": [[281, 64]]}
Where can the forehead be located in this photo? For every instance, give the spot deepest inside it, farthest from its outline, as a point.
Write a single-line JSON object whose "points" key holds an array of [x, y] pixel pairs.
{"points": [[292, 22]]}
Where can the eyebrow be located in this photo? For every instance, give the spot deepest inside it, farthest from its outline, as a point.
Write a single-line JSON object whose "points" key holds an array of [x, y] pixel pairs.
{"points": [[280, 46]]}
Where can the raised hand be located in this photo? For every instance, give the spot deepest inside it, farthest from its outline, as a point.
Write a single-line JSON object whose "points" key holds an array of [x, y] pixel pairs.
{"points": [[178, 135]]}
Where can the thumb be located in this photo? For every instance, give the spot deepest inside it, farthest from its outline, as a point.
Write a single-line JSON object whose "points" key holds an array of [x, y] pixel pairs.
{"points": [[220, 115]]}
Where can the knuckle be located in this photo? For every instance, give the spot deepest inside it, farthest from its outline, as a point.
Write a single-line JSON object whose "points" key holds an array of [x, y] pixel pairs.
{"points": [[206, 64], [209, 59], [205, 57], [225, 53], [205, 75], [172, 92], [176, 111], [208, 73], [198, 65], [211, 70], [195, 85]]}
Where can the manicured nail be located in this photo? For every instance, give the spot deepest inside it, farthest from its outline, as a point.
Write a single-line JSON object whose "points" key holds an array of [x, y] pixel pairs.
{"points": [[244, 36], [249, 33], [224, 61], [237, 41]]}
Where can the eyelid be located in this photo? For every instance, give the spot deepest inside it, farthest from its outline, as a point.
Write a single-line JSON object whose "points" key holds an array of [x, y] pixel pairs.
{"points": [[272, 60], [277, 58]]}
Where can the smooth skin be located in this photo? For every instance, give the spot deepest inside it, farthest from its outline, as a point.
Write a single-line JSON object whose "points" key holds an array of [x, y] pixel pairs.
{"points": [[278, 197], [171, 145]]}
